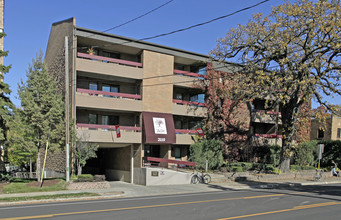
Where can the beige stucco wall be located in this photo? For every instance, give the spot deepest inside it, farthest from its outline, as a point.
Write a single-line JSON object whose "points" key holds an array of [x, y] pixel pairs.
{"points": [[157, 90], [335, 124], [316, 125]]}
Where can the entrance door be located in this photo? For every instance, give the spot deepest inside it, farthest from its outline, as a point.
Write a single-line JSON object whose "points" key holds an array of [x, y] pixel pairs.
{"points": [[152, 150]]}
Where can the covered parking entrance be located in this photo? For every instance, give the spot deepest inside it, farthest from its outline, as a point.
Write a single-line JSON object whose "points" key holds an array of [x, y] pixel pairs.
{"points": [[115, 162]]}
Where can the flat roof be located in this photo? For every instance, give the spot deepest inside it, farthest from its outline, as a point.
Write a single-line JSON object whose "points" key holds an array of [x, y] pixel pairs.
{"points": [[141, 44]]}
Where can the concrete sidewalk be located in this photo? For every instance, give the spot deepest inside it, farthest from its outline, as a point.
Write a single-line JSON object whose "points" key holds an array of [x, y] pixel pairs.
{"points": [[123, 189]]}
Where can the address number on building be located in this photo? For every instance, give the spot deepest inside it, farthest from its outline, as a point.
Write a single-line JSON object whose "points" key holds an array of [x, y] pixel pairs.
{"points": [[161, 139]]}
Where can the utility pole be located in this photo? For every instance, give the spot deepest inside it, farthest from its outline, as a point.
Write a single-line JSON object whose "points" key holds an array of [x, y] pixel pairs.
{"points": [[67, 151]]}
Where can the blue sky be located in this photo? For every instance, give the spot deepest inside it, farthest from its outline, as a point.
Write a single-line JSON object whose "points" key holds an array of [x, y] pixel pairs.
{"points": [[28, 24]]}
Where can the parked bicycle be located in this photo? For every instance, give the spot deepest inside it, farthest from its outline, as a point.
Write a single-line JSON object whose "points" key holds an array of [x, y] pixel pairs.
{"points": [[200, 178], [318, 175]]}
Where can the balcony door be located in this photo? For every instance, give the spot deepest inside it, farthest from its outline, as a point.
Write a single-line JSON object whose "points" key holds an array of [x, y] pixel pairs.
{"points": [[110, 88]]}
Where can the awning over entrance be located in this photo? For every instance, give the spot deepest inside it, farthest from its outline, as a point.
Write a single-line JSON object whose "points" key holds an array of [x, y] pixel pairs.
{"points": [[158, 128]]}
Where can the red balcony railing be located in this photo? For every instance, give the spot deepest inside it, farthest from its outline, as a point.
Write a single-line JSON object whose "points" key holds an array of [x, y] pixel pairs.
{"points": [[177, 101], [268, 135], [266, 112], [185, 131], [109, 127], [110, 60], [186, 73], [114, 94]]}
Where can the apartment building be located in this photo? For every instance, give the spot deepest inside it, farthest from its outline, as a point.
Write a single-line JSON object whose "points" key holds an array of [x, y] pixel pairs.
{"points": [[330, 131], [145, 88], [265, 124]]}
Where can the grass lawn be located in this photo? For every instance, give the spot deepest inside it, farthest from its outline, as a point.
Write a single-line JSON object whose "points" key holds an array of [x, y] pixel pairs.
{"points": [[25, 187], [25, 198]]}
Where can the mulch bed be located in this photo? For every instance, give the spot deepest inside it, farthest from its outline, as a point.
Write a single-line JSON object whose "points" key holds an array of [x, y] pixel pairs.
{"points": [[45, 183]]}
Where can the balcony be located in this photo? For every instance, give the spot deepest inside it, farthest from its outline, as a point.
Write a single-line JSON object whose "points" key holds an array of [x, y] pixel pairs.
{"points": [[108, 66], [187, 108], [186, 79], [184, 136], [266, 139], [264, 116], [106, 134], [108, 100]]}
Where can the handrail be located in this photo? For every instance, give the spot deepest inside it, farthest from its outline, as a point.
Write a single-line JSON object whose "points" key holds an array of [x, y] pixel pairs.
{"points": [[267, 112], [186, 73], [186, 131], [123, 95], [268, 135], [108, 59], [161, 160], [177, 101], [112, 127]]}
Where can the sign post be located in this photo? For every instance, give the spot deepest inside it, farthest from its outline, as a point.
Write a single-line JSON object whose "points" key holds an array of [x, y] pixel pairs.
{"points": [[320, 150]]}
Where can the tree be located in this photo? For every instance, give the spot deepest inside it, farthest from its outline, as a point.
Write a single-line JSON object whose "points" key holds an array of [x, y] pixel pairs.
{"points": [[42, 108], [20, 145], [5, 105], [225, 119], [289, 57], [84, 151]]}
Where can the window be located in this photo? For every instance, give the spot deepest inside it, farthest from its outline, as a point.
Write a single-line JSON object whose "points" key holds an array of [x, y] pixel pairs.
{"points": [[111, 54], [92, 86], [320, 133], [105, 121], [92, 119], [338, 133], [198, 98], [110, 88], [137, 121], [178, 124], [177, 152], [109, 120], [178, 96]]}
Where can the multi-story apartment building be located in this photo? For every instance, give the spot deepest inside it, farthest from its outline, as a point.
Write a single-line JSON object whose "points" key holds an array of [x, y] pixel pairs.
{"points": [[331, 130], [145, 88], [265, 124]]}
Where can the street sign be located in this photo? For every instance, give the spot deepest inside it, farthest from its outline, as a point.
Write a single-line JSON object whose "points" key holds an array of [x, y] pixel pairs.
{"points": [[320, 150]]}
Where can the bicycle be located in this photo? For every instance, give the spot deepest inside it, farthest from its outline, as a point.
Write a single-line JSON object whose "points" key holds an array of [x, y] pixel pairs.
{"points": [[200, 178], [318, 175]]}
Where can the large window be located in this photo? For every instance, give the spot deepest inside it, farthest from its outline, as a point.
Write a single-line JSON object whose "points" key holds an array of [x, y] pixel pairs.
{"points": [[338, 133]]}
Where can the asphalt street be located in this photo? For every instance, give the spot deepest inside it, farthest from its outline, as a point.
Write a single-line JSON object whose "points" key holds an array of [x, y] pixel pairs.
{"points": [[310, 202]]}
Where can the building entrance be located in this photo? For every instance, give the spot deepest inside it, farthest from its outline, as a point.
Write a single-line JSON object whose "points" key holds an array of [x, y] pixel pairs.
{"points": [[152, 150]]}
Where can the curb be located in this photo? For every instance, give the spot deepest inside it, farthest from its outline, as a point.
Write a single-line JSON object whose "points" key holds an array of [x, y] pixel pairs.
{"points": [[119, 195]]}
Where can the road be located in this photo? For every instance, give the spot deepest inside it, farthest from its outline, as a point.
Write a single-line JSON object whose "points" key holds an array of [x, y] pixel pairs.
{"points": [[313, 202]]}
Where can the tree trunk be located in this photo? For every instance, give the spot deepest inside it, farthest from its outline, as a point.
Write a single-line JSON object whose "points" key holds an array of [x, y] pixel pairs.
{"points": [[31, 174], [38, 170], [79, 170], [2, 164], [284, 165]]}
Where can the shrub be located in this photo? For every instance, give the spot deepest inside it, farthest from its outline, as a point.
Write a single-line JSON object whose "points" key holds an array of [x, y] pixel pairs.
{"points": [[268, 154], [85, 178], [305, 153], [332, 151], [5, 177], [237, 169], [207, 149]]}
